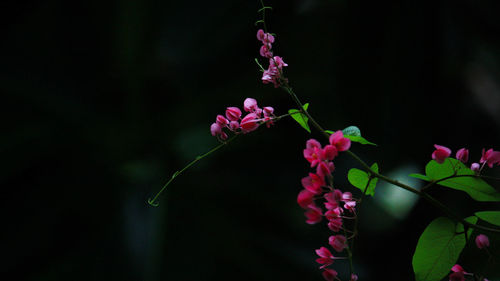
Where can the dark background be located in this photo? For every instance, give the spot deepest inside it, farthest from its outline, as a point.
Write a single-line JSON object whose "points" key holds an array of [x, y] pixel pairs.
{"points": [[104, 100]]}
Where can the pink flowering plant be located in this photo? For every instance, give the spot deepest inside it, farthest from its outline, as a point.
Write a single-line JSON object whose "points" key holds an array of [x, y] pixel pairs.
{"points": [[324, 202]]}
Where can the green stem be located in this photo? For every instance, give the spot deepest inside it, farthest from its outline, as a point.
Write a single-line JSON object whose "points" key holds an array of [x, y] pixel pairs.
{"points": [[152, 201]]}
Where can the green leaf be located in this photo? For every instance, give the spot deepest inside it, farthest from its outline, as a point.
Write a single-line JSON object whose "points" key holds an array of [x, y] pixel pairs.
{"points": [[354, 134], [300, 117], [420, 176], [492, 217], [477, 188], [438, 249], [359, 139], [359, 179]]}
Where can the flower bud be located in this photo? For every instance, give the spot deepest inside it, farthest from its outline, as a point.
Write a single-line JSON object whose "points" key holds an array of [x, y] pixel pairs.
{"points": [[441, 153], [234, 125], [268, 111], [463, 155], [482, 241], [475, 167], [249, 105], [215, 129], [221, 120], [233, 113]]}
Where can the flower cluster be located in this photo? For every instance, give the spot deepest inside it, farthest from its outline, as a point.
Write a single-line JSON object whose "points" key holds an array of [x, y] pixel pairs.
{"points": [[336, 202], [274, 73], [459, 274], [489, 157], [250, 122]]}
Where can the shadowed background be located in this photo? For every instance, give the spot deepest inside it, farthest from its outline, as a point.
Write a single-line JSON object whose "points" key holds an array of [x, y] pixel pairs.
{"points": [[104, 100]]}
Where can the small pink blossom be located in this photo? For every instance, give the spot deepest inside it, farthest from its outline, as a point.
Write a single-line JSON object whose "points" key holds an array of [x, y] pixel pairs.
{"points": [[482, 241], [324, 169], [441, 153], [313, 183], [339, 141], [475, 167], [222, 121], [249, 123], [329, 274], [463, 155], [331, 203], [333, 214], [260, 34], [330, 152], [305, 198], [312, 143], [234, 125], [250, 105], [338, 242], [457, 268], [335, 225], [314, 155], [350, 205], [215, 129], [491, 157], [346, 196], [278, 62], [223, 136], [313, 214], [268, 111], [233, 113], [354, 277], [265, 51], [326, 257]]}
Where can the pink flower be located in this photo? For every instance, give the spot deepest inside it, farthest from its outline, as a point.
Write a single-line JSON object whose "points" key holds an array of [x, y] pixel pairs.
{"points": [[441, 153], [333, 214], [268, 111], [457, 268], [265, 51], [475, 167], [278, 62], [354, 277], [329, 274], [249, 123], [346, 196], [482, 241], [260, 34], [338, 242], [324, 169], [335, 225], [337, 139], [463, 155], [312, 143], [330, 203], [305, 198], [250, 105], [350, 205], [326, 258], [313, 152], [491, 157], [313, 183], [234, 125], [233, 113], [313, 214], [330, 152], [215, 129], [222, 121]]}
